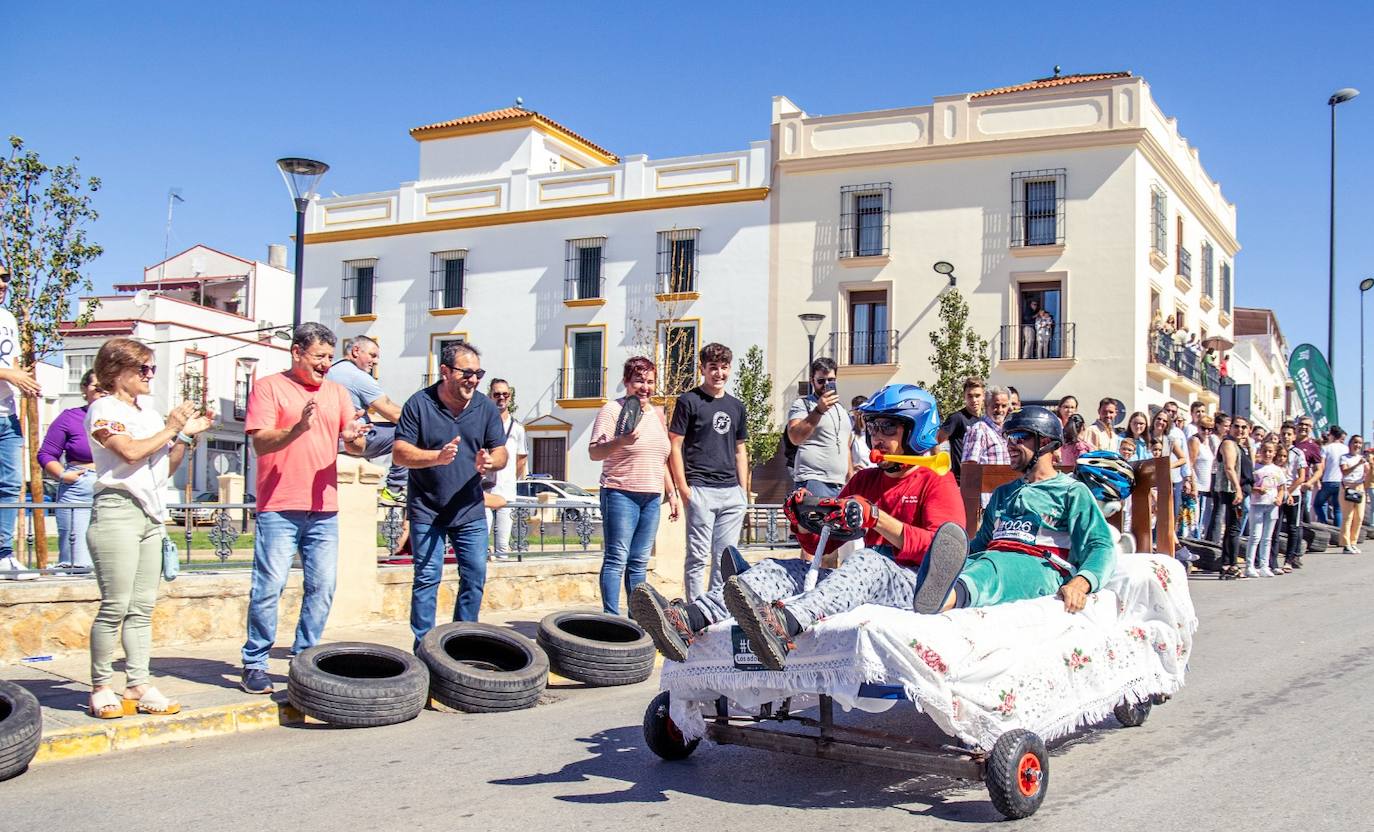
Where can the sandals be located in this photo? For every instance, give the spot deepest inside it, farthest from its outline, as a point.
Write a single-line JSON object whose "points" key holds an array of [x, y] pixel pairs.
{"points": [[1229, 573], [151, 702], [105, 705]]}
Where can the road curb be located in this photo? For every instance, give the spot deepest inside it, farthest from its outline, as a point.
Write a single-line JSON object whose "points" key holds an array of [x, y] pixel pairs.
{"points": [[84, 741]]}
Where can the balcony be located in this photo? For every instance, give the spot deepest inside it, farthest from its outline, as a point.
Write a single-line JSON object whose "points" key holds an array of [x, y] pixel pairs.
{"points": [[1175, 362], [871, 348], [578, 387], [1030, 348]]}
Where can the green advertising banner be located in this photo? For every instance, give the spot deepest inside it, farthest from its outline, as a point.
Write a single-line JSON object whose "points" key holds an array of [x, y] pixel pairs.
{"points": [[1312, 376]]}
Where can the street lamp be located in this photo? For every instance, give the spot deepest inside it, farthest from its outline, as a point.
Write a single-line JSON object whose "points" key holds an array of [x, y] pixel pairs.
{"points": [[1338, 97], [947, 269], [302, 176], [1365, 286], [811, 322]]}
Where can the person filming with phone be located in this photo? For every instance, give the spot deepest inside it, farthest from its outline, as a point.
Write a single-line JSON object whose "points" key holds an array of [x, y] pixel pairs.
{"points": [[821, 430]]}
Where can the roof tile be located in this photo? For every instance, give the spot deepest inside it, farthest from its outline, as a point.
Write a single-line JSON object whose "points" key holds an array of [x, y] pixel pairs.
{"points": [[508, 114], [1048, 83]]}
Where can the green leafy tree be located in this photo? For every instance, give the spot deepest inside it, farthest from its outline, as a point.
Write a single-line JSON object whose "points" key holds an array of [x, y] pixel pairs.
{"points": [[44, 211], [754, 388], [959, 353]]}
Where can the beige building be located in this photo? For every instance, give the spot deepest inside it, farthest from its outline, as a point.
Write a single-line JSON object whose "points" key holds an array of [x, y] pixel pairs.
{"points": [[1074, 194]]}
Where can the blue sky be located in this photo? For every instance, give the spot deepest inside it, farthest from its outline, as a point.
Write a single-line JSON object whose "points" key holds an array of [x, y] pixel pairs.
{"points": [[205, 97]]}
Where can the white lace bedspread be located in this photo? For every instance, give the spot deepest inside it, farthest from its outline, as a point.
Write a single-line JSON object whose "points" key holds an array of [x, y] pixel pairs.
{"points": [[977, 672]]}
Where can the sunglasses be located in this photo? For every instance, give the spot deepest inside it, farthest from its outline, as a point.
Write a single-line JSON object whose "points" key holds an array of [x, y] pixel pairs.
{"points": [[147, 370], [468, 374], [886, 428], [1020, 437], [499, 395]]}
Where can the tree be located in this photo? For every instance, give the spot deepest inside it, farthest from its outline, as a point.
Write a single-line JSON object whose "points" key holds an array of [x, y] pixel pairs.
{"points": [[754, 388], [44, 212], [959, 353]]}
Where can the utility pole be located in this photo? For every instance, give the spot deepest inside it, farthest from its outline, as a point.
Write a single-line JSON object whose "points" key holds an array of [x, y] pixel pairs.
{"points": [[173, 197]]}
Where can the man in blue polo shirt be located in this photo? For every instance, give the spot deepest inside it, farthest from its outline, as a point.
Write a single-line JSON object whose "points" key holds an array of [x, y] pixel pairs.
{"points": [[449, 435]]}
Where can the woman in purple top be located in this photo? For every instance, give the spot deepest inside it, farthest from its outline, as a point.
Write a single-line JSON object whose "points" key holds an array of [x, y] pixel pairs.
{"points": [[67, 440]]}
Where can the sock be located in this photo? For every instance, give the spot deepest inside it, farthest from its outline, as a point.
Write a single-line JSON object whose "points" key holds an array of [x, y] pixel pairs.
{"points": [[790, 621], [960, 595], [696, 619]]}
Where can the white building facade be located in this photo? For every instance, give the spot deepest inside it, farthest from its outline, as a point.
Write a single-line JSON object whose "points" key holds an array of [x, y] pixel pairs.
{"points": [[1263, 365], [209, 318], [1074, 192], [555, 258]]}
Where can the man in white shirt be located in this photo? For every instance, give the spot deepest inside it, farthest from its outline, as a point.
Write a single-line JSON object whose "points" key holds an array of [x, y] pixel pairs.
{"points": [[500, 521], [14, 381], [1327, 504]]}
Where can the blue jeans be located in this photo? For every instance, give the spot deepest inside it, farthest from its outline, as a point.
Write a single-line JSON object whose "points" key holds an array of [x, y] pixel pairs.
{"points": [[11, 479], [1326, 505], [73, 522], [278, 535], [427, 545], [630, 521], [819, 488]]}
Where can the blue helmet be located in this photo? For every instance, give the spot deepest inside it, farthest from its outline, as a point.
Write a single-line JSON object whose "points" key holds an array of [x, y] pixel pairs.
{"points": [[1108, 476], [914, 407]]}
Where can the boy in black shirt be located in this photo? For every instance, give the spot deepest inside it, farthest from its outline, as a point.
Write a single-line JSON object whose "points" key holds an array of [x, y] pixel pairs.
{"points": [[708, 465], [956, 424]]}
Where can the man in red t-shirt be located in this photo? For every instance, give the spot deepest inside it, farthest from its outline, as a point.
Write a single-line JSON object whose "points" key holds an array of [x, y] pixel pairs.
{"points": [[897, 507]]}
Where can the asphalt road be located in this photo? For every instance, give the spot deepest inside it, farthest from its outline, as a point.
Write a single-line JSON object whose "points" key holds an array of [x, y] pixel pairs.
{"points": [[1272, 733]]}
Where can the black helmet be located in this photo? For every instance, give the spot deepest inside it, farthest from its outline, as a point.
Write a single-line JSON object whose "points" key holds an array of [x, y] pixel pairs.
{"points": [[1041, 423]]}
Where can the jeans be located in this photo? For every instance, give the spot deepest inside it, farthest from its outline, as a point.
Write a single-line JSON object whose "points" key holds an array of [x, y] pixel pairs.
{"points": [[73, 522], [470, 547], [819, 488], [500, 522], [1205, 505], [630, 521], [1233, 517], [715, 515], [126, 545], [1262, 519], [1326, 505], [278, 535], [1290, 523], [11, 479]]}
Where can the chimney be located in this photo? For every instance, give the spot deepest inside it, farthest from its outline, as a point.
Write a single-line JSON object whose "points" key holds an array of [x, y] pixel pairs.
{"points": [[276, 256]]}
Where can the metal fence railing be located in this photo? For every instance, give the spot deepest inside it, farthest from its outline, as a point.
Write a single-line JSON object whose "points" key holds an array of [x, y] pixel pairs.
{"points": [[1020, 342]]}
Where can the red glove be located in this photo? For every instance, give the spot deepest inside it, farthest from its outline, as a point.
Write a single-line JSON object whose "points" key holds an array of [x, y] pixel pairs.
{"points": [[853, 514], [790, 506]]}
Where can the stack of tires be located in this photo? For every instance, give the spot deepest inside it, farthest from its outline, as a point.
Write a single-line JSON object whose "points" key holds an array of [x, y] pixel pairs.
{"points": [[1208, 553], [597, 649], [481, 668], [353, 684], [21, 728], [1320, 536]]}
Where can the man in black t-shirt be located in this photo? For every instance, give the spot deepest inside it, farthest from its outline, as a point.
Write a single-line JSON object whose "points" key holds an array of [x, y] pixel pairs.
{"points": [[956, 424], [708, 465]]}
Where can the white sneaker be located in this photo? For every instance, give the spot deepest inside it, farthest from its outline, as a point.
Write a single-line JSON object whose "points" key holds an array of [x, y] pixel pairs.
{"points": [[1251, 572], [1266, 572], [17, 570]]}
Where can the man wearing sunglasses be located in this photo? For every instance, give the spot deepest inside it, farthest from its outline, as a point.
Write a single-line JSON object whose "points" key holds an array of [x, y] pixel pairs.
{"points": [[1042, 534], [449, 436], [894, 507]]}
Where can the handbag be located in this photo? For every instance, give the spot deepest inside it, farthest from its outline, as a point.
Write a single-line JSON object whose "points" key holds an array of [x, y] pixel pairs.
{"points": [[1354, 495], [171, 560]]}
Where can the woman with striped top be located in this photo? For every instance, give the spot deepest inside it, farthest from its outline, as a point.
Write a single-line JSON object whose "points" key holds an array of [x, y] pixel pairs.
{"points": [[634, 480]]}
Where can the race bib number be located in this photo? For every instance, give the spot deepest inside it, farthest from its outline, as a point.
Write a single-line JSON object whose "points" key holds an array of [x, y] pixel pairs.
{"points": [[744, 654], [1023, 530]]}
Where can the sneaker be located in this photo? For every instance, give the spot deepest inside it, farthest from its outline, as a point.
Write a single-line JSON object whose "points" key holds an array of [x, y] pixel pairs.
{"points": [[392, 497], [665, 622], [732, 563], [1266, 572], [255, 680], [17, 571], [763, 623], [939, 570], [1251, 572]]}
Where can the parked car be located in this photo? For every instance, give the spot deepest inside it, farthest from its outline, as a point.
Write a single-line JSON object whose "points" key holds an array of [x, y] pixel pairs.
{"points": [[533, 486], [199, 516]]}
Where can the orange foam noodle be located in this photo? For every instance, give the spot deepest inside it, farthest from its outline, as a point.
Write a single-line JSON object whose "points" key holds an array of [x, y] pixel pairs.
{"points": [[939, 463]]}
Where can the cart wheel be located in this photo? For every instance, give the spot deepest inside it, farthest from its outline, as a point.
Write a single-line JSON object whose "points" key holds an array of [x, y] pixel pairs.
{"points": [[1159, 698], [1018, 773], [661, 735], [1132, 716]]}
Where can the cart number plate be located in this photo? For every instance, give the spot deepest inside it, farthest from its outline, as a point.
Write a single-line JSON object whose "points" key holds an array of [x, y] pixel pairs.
{"points": [[744, 654]]}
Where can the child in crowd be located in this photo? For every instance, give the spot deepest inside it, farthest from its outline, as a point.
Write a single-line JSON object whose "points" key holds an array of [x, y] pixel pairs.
{"points": [[1271, 485], [1075, 443]]}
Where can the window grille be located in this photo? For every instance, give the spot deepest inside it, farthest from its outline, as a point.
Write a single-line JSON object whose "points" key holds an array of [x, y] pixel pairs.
{"points": [[587, 371], [584, 269], [447, 278], [1037, 207], [1226, 288], [864, 212], [677, 261], [358, 279], [679, 359], [1208, 290], [77, 365], [1159, 220]]}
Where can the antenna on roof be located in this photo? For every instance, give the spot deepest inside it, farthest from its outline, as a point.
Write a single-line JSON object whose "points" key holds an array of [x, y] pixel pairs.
{"points": [[519, 103], [1056, 70]]}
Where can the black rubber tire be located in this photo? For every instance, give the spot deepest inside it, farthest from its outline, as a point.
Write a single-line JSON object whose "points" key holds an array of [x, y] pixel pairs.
{"points": [[1014, 750], [481, 668], [608, 662], [21, 729], [1333, 533], [1317, 539], [1208, 553], [595, 635], [1366, 533], [1132, 715], [353, 684], [601, 676], [661, 735]]}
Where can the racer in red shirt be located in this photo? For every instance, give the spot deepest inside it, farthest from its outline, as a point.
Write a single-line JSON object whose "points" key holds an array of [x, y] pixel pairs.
{"points": [[896, 508]]}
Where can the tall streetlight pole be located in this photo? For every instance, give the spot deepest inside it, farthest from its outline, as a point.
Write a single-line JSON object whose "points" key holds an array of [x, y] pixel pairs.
{"points": [[1365, 286], [1338, 97], [811, 321], [302, 176]]}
